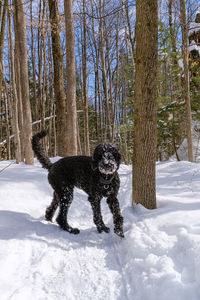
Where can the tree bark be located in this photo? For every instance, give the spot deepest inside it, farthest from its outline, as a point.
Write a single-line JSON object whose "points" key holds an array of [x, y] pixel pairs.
{"points": [[186, 79], [85, 93], [61, 134], [144, 147], [20, 31], [35, 104], [71, 79], [108, 131], [14, 93], [2, 35]]}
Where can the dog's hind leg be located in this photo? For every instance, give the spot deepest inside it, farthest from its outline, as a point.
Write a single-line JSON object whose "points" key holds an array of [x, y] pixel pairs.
{"points": [[97, 217], [66, 197], [50, 211]]}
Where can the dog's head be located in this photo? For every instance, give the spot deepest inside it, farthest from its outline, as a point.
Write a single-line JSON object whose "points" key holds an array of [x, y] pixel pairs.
{"points": [[106, 158]]}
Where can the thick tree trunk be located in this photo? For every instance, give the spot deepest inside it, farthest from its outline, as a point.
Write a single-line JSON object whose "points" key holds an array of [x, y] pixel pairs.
{"points": [[186, 79], [71, 80], [20, 31], [144, 148]]}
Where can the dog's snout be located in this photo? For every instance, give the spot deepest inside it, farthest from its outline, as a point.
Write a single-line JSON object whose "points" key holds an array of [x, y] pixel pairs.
{"points": [[108, 164]]}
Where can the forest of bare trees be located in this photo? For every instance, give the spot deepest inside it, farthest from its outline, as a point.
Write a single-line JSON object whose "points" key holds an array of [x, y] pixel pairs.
{"points": [[95, 70]]}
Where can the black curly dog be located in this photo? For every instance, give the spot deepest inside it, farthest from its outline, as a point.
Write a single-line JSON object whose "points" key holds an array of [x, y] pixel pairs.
{"points": [[96, 175]]}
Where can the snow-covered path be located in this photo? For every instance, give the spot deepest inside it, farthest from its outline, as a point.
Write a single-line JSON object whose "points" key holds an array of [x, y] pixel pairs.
{"points": [[158, 259]]}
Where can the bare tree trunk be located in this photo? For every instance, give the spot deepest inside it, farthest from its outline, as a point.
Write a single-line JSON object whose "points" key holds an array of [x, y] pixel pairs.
{"points": [[43, 51], [7, 126], [6, 107], [117, 80], [186, 79], [51, 97], [128, 43], [20, 31], [104, 78], [129, 28], [85, 94], [95, 55], [61, 134], [54, 130], [2, 34], [71, 79], [14, 92], [39, 54], [19, 97], [144, 148], [35, 104], [1, 1]]}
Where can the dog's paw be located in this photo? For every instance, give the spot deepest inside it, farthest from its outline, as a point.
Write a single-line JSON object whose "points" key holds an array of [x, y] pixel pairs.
{"points": [[119, 232], [73, 230], [102, 228], [70, 229], [48, 215], [66, 227]]}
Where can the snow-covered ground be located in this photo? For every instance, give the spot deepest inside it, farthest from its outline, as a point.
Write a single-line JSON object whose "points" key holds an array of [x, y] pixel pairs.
{"points": [[158, 259]]}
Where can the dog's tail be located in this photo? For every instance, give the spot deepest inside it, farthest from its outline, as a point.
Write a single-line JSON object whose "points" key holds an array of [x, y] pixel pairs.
{"points": [[39, 150]]}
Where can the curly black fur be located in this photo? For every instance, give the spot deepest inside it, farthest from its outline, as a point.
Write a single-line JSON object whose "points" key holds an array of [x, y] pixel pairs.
{"points": [[96, 175], [39, 151]]}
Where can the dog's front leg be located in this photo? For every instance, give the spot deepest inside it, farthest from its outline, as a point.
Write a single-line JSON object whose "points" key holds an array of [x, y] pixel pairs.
{"points": [[97, 217], [117, 217]]}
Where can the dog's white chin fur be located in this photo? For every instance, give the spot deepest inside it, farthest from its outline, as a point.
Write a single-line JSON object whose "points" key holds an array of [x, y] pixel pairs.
{"points": [[109, 171]]}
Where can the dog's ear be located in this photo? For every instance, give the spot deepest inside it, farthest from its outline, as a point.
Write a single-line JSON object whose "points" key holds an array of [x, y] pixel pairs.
{"points": [[117, 154], [119, 157], [94, 164]]}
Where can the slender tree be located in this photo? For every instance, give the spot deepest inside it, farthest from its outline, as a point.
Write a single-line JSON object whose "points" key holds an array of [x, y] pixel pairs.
{"points": [[144, 147], [2, 34], [85, 92], [108, 133], [14, 93], [35, 113], [71, 80], [60, 97], [184, 29], [20, 31]]}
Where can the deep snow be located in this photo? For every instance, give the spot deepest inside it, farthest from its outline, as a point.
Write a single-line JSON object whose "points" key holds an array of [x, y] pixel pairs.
{"points": [[158, 259]]}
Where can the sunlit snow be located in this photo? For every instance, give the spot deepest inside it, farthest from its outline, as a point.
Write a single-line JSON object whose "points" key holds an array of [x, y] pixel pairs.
{"points": [[158, 259]]}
